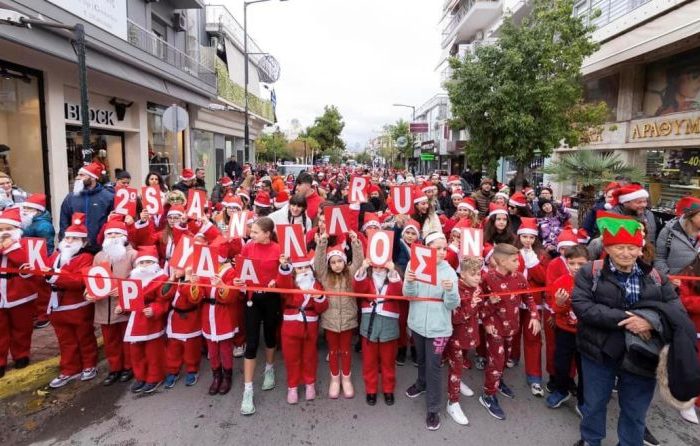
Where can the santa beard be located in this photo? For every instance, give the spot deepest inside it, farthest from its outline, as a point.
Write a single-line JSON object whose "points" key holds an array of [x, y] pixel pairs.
{"points": [[146, 273], [78, 187], [68, 250], [27, 219], [114, 248], [305, 281]]}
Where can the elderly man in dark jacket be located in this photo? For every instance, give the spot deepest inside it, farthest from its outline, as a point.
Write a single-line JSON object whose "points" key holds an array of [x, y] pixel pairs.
{"points": [[603, 295]]}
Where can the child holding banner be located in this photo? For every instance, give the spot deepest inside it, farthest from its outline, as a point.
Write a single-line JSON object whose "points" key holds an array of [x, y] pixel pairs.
{"points": [[430, 322], [406, 232], [165, 240]]}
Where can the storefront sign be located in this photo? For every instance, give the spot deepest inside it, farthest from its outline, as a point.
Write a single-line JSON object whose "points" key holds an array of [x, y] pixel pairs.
{"points": [[97, 115], [680, 127], [109, 15]]}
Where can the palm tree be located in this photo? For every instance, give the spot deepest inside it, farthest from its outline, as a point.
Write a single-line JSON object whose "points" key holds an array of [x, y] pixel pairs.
{"points": [[590, 170]]}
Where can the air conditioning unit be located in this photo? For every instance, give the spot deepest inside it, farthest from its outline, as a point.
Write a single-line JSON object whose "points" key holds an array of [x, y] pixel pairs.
{"points": [[179, 22]]}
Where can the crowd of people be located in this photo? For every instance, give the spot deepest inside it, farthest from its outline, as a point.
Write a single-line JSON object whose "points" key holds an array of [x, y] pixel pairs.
{"points": [[568, 302]]}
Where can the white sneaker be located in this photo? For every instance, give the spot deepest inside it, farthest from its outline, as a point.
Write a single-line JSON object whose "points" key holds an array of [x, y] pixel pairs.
{"points": [[465, 389], [455, 411], [88, 374], [239, 351], [537, 389], [690, 415], [62, 380]]}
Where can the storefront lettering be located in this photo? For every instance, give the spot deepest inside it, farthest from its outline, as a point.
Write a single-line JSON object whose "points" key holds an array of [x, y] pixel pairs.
{"points": [[675, 127], [97, 116]]}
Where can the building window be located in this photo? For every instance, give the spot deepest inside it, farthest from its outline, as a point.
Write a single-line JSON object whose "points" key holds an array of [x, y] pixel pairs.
{"points": [[606, 90], [165, 148]]}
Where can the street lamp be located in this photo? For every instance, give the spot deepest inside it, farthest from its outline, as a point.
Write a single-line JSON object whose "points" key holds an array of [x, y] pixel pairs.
{"points": [[412, 107], [10, 17], [246, 129]]}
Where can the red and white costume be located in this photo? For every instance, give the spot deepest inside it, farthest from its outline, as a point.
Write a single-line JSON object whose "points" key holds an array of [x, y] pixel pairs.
{"points": [[184, 331], [146, 235]]}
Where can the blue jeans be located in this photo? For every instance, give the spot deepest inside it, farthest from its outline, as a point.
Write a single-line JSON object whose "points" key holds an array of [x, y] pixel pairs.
{"points": [[634, 396]]}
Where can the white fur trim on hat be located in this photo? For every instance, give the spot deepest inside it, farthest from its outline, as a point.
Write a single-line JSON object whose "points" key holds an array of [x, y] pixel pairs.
{"points": [[29, 204], [115, 231], [9, 221], [142, 258], [88, 173], [336, 252], [527, 231], [565, 244], [75, 234], [430, 238], [302, 262], [639, 193], [175, 212], [498, 211]]}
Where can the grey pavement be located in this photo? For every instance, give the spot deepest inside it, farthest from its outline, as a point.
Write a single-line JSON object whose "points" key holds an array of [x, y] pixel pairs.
{"points": [[188, 416]]}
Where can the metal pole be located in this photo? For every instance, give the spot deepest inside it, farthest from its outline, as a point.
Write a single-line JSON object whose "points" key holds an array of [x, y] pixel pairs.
{"points": [[79, 47], [246, 129], [175, 141]]}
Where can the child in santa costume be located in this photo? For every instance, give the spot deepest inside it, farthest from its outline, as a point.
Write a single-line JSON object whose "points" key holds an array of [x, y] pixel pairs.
{"points": [[466, 210], [379, 328], [406, 232], [465, 334], [501, 318], [146, 327], [220, 321], [533, 262], [70, 314], [118, 253], [165, 240], [300, 317], [17, 294]]}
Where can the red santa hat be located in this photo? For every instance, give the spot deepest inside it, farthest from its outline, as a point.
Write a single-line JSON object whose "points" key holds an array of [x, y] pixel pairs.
{"points": [[373, 188], [411, 224], [262, 199], [467, 203], [187, 174], [454, 179], [527, 190], [93, 170], [281, 199], [299, 261], [457, 192], [36, 201], [518, 200], [617, 229], [687, 206], [115, 227], [232, 201], [528, 226], [371, 220], [630, 192], [226, 181], [426, 186], [146, 253], [612, 186], [430, 238], [567, 238], [582, 235], [243, 193], [502, 194], [11, 217], [337, 250], [419, 195], [77, 227], [176, 209], [463, 223], [495, 209]]}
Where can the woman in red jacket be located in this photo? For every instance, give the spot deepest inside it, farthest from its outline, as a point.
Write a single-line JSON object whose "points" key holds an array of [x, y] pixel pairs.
{"points": [[690, 296]]}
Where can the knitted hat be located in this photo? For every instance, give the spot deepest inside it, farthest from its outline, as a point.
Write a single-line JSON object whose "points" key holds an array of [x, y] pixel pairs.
{"points": [[226, 181], [528, 226], [371, 220], [630, 192], [187, 175], [262, 199], [685, 206], [468, 203], [486, 181], [566, 238], [93, 170], [337, 250], [36, 201], [115, 227], [518, 200], [617, 229], [176, 209], [146, 253], [495, 209], [419, 195], [281, 199], [411, 224], [77, 227], [299, 261], [11, 216]]}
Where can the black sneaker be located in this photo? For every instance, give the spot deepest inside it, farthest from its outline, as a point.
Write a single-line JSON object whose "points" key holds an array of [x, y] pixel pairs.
{"points": [[41, 324], [432, 421], [480, 363], [549, 387], [506, 391], [111, 379], [401, 356], [125, 376], [371, 399], [491, 404], [137, 386], [649, 439], [151, 387], [21, 363], [389, 399], [414, 391]]}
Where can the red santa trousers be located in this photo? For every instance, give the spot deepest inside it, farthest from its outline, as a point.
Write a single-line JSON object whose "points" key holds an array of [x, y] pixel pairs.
{"points": [[300, 352], [378, 356], [76, 339], [147, 360], [220, 354], [498, 349], [532, 345], [42, 300], [116, 350], [339, 351], [404, 338], [16, 326], [179, 351]]}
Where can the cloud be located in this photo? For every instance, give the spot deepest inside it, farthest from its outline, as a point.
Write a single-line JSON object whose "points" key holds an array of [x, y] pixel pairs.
{"points": [[361, 55]]}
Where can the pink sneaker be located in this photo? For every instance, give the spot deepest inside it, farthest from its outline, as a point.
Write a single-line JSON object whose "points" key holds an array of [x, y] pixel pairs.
{"points": [[292, 396], [310, 392]]}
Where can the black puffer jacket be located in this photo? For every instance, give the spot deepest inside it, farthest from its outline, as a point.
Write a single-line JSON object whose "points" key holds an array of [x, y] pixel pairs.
{"points": [[598, 335]]}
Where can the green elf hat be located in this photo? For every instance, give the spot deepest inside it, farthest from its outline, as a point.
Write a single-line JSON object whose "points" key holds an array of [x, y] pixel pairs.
{"points": [[687, 206], [618, 229]]}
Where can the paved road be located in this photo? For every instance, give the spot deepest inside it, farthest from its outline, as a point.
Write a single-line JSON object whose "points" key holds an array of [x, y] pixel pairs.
{"points": [[188, 416]]}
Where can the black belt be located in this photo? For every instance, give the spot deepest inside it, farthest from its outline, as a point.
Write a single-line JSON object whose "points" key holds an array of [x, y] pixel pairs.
{"points": [[210, 301], [8, 275], [56, 289], [183, 312], [374, 304]]}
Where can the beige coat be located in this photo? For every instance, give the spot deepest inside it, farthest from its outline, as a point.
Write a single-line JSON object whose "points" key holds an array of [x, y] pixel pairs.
{"points": [[341, 314], [104, 309]]}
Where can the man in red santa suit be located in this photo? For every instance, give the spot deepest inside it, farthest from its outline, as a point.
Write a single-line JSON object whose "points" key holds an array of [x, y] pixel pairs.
{"points": [[146, 327], [16, 294], [70, 314], [118, 253]]}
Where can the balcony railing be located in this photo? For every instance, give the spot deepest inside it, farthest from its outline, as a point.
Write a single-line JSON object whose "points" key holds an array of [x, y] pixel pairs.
{"points": [[235, 93], [457, 18], [610, 10], [154, 45]]}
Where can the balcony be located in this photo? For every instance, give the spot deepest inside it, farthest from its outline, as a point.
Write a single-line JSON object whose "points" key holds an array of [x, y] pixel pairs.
{"points": [[147, 41], [234, 93], [610, 10], [472, 16]]}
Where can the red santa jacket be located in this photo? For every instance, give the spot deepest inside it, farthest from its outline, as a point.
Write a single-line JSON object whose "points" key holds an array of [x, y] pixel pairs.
{"points": [[298, 308], [564, 317], [140, 328], [229, 249], [504, 315], [219, 313], [15, 289], [533, 268], [452, 256], [691, 302], [364, 283], [184, 320], [67, 283], [555, 269], [146, 235]]}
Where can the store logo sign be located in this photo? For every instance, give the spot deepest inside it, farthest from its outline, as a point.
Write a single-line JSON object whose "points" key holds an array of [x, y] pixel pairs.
{"points": [[97, 115], [678, 128]]}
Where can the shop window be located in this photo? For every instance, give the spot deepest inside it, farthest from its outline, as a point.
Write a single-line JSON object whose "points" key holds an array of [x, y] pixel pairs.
{"points": [[22, 142], [673, 85], [106, 147], [165, 148], [204, 156]]}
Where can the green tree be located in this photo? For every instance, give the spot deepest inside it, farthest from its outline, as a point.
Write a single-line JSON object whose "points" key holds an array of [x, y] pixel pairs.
{"points": [[272, 147], [363, 157], [402, 129], [522, 95], [327, 128]]}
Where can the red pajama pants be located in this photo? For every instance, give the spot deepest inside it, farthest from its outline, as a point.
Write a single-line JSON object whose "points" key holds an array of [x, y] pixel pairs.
{"points": [[179, 351], [76, 339], [455, 353], [378, 356], [147, 360], [16, 328], [498, 349], [220, 354], [339, 351], [300, 352], [532, 346], [116, 350]]}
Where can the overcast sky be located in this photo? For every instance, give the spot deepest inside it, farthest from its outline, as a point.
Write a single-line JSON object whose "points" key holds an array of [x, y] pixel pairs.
{"points": [[360, 55]]}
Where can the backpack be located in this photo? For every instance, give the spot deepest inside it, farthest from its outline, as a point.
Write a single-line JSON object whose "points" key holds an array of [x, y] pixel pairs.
{"points": [[598, 267]]}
